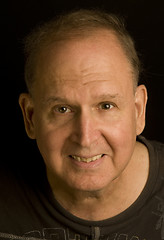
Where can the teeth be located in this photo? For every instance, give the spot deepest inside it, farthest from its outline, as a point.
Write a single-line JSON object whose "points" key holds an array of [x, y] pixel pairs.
{"points": [[87, 160]]}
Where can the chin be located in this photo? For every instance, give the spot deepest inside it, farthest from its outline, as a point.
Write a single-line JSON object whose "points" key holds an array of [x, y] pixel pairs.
{"points": [[93, 184]]}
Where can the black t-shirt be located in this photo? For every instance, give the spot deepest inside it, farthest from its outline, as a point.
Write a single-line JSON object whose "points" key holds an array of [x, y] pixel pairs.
{"points": [[29, 211]]}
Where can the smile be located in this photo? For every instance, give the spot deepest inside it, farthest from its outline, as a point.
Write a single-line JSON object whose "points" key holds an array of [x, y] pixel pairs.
{"points": [[86, 160]]}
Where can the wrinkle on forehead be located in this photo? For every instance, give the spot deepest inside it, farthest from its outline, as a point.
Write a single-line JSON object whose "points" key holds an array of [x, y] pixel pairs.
{"points": [[82, 78], [80, 63]]}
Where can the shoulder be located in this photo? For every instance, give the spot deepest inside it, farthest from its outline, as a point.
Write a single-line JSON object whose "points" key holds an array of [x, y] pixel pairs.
{"points": [[159, 148], [156, 160], [156, 153], [155, 148]]}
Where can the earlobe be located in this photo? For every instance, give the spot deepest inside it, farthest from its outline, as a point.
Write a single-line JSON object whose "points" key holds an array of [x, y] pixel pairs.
{"points": [[27, 107], [140, 106]]}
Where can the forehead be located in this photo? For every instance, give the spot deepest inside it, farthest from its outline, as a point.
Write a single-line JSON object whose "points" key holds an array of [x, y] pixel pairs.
{"points": [[80, 62]]}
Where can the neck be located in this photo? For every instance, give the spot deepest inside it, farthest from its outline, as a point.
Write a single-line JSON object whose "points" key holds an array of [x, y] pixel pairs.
{"points": [[113, 199]]}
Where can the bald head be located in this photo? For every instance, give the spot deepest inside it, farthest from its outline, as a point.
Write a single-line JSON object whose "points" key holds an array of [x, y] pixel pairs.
{"points": [[77, 25]]}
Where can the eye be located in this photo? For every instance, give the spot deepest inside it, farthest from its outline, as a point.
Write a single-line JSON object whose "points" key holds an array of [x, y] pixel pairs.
{"points": [[106, 106], [62, 109]]}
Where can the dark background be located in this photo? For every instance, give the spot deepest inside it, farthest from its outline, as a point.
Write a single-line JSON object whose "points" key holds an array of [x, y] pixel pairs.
{"points": [[145, 22]]}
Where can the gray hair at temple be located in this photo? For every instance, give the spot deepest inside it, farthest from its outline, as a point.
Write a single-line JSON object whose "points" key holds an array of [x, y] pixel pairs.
{"points": [[77, 24]]}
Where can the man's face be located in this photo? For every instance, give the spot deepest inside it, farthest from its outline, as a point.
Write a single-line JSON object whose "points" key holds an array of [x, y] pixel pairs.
{"points": [[84, 112]]}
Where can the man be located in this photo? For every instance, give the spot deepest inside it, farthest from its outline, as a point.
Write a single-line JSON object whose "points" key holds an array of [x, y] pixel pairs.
{"points": [[86, 111]]}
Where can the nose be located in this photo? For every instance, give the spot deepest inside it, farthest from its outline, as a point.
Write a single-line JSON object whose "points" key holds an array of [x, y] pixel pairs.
{"points": [[86, 129]]}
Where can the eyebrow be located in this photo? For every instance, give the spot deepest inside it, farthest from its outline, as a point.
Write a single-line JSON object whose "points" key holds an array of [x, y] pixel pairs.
{"points": [[109, 96], [102, 97], [54, 99]]}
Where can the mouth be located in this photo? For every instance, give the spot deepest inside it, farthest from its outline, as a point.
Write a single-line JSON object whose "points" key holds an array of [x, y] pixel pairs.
{"points": [[86, 160]]}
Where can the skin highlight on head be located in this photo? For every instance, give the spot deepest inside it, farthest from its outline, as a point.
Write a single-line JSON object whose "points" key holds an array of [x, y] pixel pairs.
{"points": [[77, 25]]}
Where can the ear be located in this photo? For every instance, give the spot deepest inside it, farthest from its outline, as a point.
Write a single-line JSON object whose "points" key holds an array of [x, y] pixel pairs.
{"points": [[27, 107], [140, 106]]}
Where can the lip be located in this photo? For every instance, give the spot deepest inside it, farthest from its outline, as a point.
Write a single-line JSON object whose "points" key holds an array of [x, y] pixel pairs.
{"points": [[87, 165]]}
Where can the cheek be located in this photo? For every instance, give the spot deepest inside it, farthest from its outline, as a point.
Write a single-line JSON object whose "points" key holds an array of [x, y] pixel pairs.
{"points": [[124, 133], [50, 144], [49, 141], [121, 136]]}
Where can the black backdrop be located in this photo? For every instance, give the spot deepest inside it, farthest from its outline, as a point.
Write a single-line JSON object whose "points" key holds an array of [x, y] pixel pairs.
{"points": [[145, 21]]}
